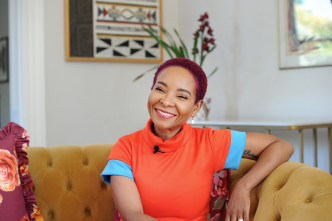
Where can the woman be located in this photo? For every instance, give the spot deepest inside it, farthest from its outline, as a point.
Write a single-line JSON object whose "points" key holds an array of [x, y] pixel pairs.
{"points": [[167, 167]]}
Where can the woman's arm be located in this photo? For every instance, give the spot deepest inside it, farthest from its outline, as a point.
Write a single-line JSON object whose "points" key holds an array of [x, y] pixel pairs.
{"points": [[127, 199], [270, 152]]}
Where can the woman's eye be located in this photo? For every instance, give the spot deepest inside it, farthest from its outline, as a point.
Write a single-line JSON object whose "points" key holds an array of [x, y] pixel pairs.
{"points": [[183, 97], [159, 89]]}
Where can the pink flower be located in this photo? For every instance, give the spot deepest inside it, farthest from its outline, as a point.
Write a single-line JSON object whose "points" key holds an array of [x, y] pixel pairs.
{"points": [[216, 180], [205, 47], [203, 17], [216, 217], [9, 177], [212, 41], [210, 31], [202, 28]]}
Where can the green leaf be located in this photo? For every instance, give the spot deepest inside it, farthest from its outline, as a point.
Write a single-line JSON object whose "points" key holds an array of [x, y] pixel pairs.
{"points": [[195, 46], [214, 71], [161, 42], [212, 48], [181, 53], [141, 75], [183, 45], [203, 57], [173, 46], [219, 203], [151, 29]]}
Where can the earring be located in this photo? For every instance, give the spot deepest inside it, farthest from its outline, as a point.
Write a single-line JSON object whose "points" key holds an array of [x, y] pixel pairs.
{"points": [[192, 120]]}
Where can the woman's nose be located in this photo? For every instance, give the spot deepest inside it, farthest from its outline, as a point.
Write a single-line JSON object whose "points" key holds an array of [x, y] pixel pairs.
{"points": [[167, 101]]}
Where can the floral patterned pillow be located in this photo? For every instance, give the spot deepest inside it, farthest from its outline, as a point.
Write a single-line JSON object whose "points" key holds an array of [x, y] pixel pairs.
{"points": [[17, 200], [219, 197]]}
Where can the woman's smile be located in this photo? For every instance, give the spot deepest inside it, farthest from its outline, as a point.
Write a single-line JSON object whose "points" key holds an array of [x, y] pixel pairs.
{"points": [[164, 114]]}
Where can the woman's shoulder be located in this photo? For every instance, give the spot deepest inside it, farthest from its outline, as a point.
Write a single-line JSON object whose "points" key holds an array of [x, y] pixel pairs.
{"points": [[199, 130], [130, 137]]}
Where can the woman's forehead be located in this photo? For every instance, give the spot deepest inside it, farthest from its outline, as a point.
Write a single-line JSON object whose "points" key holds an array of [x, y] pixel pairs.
{"points": [[176, 72]]}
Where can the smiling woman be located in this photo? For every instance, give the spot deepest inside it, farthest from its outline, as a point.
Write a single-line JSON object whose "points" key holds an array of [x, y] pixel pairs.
{"points": [[172, 101], [158, 171]]}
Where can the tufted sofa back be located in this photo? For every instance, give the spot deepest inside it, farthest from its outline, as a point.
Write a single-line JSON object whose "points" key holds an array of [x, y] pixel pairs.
{"points": [[68, 187], [67, 182]]}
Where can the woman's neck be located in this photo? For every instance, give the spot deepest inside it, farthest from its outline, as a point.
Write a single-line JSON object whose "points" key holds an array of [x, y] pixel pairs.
{"points": [[165, 134]]}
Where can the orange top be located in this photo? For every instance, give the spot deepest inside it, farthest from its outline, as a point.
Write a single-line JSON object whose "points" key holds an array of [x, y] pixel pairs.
{"points": [[175, 185]]}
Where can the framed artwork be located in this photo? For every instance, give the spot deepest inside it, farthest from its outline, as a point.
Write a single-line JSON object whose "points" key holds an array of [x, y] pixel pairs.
{"points": [[112, 30], [4, 60], [305, 33]]}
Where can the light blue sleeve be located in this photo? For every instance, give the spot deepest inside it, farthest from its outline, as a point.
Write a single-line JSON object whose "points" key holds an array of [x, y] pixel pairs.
{"points": [[238, 142], [116, 167]]}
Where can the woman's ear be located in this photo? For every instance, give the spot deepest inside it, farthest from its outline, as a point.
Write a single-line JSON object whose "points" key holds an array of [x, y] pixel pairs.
{"points": [[197, 107]]}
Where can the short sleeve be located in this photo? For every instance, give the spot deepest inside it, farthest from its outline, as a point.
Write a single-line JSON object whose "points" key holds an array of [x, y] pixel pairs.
{"points": [[238, 142], [119, 160], [122, 150], [227, 148], [116, 167]]}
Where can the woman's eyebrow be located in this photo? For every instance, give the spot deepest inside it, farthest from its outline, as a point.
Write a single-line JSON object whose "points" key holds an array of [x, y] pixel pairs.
{"points": [[180, 89], [184, 90], [163, 83]]}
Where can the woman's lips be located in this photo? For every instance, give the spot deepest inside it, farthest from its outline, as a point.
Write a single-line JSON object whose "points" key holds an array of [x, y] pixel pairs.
{"points": [[164, 115]]}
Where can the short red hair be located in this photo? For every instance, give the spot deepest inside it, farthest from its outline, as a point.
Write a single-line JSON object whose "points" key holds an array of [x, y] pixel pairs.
{"points": [[196, 71]]}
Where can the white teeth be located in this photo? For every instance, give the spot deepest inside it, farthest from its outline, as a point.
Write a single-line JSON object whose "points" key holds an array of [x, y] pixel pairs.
{"points": [[166, 114]]}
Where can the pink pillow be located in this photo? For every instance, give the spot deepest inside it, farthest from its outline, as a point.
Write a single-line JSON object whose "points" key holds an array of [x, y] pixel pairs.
{"points": [[219, 197], [17, 200]]}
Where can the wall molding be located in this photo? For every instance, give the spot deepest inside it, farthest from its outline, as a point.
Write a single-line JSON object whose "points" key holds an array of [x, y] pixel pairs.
{"points": [[27, 67]]}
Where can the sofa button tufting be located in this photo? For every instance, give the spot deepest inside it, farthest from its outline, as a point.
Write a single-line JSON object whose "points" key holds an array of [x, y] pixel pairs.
{"points": [[69, 187], [85, 162], [103, 186], [307, 201], [87, 212], [50, 215]]}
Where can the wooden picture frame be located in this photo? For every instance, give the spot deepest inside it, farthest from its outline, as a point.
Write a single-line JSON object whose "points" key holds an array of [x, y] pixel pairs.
{"points": [[4, 60], [305, 33], [124, 39]]}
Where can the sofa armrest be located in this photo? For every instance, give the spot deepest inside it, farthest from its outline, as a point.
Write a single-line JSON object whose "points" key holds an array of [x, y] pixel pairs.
{"points": [[293, 191]]}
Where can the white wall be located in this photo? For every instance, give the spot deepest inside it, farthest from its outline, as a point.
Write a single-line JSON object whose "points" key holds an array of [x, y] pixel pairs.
{"points": [[249, 84], [92, 102], [4, 87]]}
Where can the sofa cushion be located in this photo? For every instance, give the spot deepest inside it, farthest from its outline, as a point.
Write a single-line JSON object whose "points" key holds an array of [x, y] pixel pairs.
{"points": [[17, 201]]}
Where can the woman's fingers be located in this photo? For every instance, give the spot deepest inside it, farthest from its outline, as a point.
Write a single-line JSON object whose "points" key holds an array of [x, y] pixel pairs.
{"points": [[246, 216], [236, 217]]}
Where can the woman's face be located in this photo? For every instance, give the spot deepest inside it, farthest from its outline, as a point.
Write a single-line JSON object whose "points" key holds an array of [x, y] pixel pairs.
{"points": [[172, 99]]}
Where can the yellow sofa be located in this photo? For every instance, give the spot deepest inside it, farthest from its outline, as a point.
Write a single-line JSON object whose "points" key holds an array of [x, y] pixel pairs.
{"points": [[68, 187]]}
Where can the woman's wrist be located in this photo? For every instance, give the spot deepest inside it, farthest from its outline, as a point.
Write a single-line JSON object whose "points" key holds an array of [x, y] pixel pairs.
{"points": [[243, 184]]}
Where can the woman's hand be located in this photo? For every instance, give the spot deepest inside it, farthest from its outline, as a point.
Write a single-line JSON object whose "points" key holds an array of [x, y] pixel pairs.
{"points": [[270, 152], [239, 204]]}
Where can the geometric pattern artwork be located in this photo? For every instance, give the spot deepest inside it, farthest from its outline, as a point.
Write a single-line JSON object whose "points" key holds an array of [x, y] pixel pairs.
{"points": [[118, 32], [127, 48]]}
